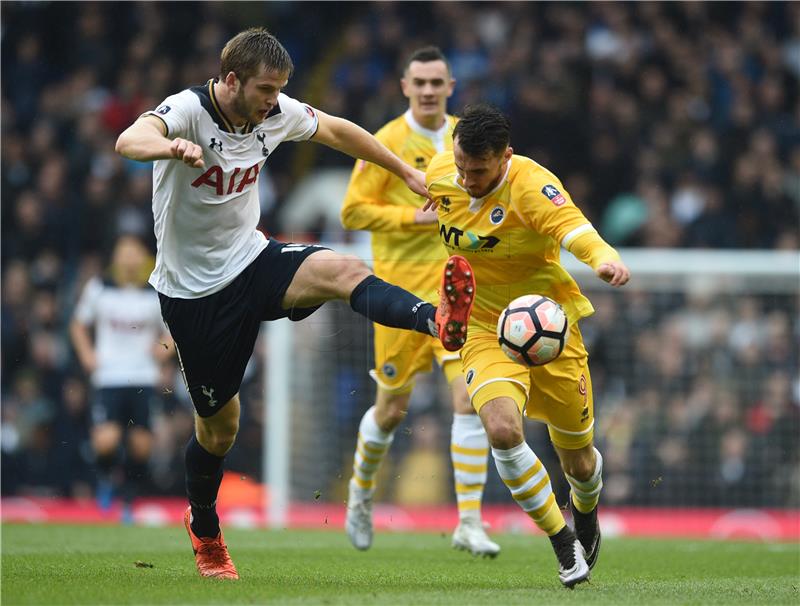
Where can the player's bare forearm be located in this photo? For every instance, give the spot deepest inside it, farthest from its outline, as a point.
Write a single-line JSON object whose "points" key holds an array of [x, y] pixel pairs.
{"points": [[351, 139], [145, 140]]}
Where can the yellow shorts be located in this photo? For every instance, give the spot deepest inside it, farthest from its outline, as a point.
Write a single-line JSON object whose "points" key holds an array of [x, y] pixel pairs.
{"points": [[558, 393], [401, 354]]}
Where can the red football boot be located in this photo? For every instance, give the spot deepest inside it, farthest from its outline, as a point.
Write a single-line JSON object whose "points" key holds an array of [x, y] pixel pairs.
{"points": [[210, 554], [455, 303]]}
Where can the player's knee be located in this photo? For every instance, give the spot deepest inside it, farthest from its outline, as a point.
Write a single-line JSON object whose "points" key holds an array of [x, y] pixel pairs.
{"points": [[503, 432], [349, 271], [220, 443], [391, 414], [106, 438], [390, 409], [139, 444], [462, 404], [218, 440], [580, 467]]}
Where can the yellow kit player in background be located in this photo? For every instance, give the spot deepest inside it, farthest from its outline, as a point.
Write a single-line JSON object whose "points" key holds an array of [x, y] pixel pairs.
{"points": [[509, 217], [406, 249]]}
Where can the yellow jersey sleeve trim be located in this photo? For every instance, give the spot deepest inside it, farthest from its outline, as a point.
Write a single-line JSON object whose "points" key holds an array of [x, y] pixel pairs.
{"points": [[590, 248]]}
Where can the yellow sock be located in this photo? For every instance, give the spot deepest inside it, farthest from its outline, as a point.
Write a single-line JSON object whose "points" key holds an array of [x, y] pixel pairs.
{"points": [[469, 450], [370, 450], [527, 479], [586, 494]]}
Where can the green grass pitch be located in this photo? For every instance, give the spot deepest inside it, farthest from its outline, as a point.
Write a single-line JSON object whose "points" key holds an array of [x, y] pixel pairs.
{"points": [[98, 565]]}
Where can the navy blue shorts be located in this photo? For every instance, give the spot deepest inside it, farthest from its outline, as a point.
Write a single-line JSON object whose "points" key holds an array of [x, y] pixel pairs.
{"points": [[215, 335], [126, 406]]}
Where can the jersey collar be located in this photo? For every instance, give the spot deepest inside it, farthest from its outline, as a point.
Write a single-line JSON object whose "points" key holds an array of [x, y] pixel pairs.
{"points": [[436, 136], [210, 103], [476, 203]]}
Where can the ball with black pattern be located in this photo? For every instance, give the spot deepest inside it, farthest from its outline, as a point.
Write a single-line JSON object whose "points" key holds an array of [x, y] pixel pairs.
{"points": [[532, 330]]}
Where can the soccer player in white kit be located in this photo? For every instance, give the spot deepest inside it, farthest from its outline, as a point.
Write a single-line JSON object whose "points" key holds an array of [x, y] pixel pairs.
{"points": [[218, 277], [122, 357]]}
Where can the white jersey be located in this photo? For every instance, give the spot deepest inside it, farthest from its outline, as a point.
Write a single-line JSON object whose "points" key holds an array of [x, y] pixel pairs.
{"points": [[206, 219], [127, 324]]}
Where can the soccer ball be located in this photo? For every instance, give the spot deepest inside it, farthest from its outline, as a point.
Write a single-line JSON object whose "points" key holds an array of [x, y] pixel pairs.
{"points": [[532, 330]]}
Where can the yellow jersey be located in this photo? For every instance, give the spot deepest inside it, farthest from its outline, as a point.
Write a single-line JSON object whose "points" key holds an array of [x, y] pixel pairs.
{"points": [[378, 201], [512, 237]]}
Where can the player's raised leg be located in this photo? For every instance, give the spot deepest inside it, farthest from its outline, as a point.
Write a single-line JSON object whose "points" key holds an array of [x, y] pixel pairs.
{"points": [[469, 451], [455, 302], [584, 471], [527, 479], [327, 275], [205, 453], [375, 436]]}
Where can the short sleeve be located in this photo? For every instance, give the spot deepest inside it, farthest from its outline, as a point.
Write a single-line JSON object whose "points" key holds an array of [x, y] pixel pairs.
{"points": [[176, 112], [86, 310], [301, 120]]}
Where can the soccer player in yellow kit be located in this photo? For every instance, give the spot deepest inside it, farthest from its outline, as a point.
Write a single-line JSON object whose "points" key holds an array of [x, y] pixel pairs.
{"points": [[406, 249], [509, 217]]}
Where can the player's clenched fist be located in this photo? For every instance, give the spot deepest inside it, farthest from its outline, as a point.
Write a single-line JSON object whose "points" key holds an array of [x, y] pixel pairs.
{"points": [[613, 272], [188, 152]]}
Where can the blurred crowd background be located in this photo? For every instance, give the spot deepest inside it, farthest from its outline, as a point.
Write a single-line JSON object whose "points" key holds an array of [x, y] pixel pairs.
{"points": [[671, 124]]}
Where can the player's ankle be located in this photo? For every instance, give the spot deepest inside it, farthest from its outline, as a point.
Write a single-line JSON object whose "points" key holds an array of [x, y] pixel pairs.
{"points": [[357, 492], [471, 516], [205, 524]]}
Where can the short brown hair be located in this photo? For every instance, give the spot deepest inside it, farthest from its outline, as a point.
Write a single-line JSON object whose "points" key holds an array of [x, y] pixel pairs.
{"points": [[247, 51]]}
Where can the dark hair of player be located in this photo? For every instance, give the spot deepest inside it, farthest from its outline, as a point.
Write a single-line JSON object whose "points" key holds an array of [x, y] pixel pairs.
{"points": [[482, 130], [426, 54], [247, 51]]}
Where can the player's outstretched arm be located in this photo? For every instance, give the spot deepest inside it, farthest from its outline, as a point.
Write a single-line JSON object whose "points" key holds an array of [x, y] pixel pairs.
{"points": [[364, 208], [351, 139], [146, 140], [590, 248]]}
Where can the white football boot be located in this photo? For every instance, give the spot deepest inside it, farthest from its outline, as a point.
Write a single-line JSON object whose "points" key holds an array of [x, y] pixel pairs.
{"points": [[359, 517], [470, 536], [572, 566]]}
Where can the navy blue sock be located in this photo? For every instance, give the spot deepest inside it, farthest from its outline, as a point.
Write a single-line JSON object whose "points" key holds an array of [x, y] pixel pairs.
{"points": [[203, 477], [391, 306]]}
